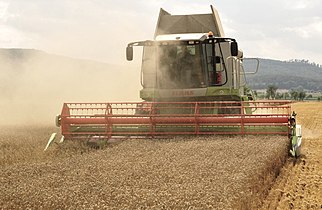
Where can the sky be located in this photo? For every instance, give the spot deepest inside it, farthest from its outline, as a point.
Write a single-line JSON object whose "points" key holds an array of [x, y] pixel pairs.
{"points": [[100, 29]]}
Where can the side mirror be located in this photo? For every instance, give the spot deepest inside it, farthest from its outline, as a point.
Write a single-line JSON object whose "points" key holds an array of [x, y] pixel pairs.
{"points": [[129, 53], [234, 48]]}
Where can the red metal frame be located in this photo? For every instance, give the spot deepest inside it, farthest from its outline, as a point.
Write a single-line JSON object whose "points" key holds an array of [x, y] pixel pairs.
{"points": [[95, 116]]}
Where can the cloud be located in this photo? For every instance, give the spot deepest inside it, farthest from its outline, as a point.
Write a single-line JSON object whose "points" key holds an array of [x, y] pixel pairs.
{"points": [[300, 4], [310, 31], [100, 29], [3, 10], [276, 29], [87, 29]]}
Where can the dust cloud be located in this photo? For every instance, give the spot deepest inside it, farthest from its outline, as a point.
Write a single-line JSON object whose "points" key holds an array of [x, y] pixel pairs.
{"points": [[34, 84]]}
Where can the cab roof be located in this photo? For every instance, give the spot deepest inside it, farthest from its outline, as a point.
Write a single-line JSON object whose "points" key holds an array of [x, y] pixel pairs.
{"points": [[182, 37]]}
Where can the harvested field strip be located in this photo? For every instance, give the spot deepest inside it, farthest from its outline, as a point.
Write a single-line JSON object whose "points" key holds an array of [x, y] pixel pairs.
{"points": [[203, 173], [299, 185]]}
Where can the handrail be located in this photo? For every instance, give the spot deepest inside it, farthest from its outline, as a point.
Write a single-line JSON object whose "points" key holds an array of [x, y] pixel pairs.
{"points": [[257, 66]]}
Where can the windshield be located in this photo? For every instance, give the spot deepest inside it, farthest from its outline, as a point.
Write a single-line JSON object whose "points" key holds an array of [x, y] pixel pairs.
{"points": [[181, 66]]}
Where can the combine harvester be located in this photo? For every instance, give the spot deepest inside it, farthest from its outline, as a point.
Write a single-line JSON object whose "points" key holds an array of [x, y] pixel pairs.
{"points": [[193, 84]]}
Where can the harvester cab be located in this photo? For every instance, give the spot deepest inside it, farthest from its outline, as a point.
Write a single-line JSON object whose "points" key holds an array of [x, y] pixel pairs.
{"points": [[193, 84], [185, 67], [190, 60]]}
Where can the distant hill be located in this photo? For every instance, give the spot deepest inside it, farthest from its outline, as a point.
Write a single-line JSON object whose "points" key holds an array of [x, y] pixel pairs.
{"points": [[287, 75]]}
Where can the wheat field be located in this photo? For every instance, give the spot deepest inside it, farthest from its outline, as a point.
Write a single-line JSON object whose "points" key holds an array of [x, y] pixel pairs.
{"points": [[205, 172]]}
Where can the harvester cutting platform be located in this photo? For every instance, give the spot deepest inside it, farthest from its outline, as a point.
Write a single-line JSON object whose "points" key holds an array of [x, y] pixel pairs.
{"points": [[193, 84]]}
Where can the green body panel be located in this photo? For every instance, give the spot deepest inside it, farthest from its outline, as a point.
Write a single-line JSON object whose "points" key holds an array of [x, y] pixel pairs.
{"points": [[149, 94], [209, 94], [247, 110], [222, 91], [296, 144]]}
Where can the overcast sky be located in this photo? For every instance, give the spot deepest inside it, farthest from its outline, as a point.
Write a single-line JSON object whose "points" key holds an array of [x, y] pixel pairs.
{"points": [[100, 29]]}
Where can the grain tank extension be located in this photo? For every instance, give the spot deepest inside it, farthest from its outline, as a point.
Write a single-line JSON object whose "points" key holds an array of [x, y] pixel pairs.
{"points": [[193, 83]]}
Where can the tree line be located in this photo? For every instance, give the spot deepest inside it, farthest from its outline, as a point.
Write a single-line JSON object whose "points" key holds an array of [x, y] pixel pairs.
{"points": [[294, 94], [304, 61]]}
